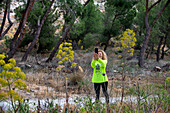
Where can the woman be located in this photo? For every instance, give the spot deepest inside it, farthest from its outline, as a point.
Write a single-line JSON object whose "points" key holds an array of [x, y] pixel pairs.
{"points": [[99, 74]]}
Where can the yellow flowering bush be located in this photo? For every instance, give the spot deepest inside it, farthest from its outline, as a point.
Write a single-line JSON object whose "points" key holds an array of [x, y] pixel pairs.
{"points": [[66, 55], [11, 77], [127, 40]]}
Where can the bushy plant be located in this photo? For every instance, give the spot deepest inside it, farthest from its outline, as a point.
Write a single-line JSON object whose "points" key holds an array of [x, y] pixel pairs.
{"points": [[91, 40], [127, 42], [66, 56], [11, 78]]}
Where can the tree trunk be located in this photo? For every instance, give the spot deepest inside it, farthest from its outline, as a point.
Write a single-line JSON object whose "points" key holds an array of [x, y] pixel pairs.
{"points": [[63, 37], [9, 20], [20, 30], [148, 29], [13, 41], [163, 48], [24, 58], [58, 44], [158, 49], [143, 49], [4, 19]]}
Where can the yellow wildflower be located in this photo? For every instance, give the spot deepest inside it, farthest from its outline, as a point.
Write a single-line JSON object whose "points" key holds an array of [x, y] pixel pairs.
{"points": [[60, 62], [58, 69], [3, 82], [2, 56], [70, 47], [81, 47], [73, 64], [14, 95], [66, 58], [2, 62], [118, 48], [64, 53], [58, 56], [12, 61], [7, 66], [17, 69], [120, 56], [131, 54], [79, 42], [60, 51]]}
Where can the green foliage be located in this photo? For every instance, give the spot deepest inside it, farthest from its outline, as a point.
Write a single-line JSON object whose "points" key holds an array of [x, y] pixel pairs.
{"points": [[91, 40], [159, 29], [92, 17], [47, 35], [88, 106], [90, 22], [70, 9], [118, 16]]}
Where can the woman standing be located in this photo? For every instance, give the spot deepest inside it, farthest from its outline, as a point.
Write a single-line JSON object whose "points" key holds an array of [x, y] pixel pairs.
{"points": [[99, 74]]}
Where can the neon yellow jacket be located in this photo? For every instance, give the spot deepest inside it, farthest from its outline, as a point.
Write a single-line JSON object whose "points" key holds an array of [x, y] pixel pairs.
{"points": [[99, 73]]}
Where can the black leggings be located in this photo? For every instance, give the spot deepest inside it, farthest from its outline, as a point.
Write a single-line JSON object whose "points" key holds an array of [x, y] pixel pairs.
{"points": [[104, 88]]}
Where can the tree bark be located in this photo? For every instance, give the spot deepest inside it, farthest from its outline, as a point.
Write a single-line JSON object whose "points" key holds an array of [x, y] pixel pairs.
{"points": [[9, 20], [20, 30], [158, 49], [148, 29], [143, 49], [24, 58], [58, 44], [163, 48], [4, 19], [63, 37], [13, 41]]}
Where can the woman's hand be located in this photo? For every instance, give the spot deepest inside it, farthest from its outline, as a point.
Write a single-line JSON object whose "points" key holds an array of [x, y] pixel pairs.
{"points": [[95, 56]]}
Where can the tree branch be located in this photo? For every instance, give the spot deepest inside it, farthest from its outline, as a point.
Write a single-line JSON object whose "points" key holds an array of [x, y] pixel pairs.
{"points": [[61, 39], [19, 27], [4, 19], [9, 20], [153, 5], [86, 2], [37, 32], [160, 13]]}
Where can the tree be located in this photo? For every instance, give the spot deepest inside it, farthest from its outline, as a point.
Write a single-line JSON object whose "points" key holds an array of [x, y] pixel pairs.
{"points": [[6, 13], [39, 26], [149, 28], [163, 31], [46, 39], [90, 23], [19, 34], [63, 37], [139, 24], [118, 16]]}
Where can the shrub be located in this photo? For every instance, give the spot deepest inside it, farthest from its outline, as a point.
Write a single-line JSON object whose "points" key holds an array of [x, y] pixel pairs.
{"points": [[11, 78], [91, 40]]}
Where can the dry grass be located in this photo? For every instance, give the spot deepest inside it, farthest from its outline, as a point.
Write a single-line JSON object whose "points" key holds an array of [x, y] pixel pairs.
{"points": [[42, 75]]}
